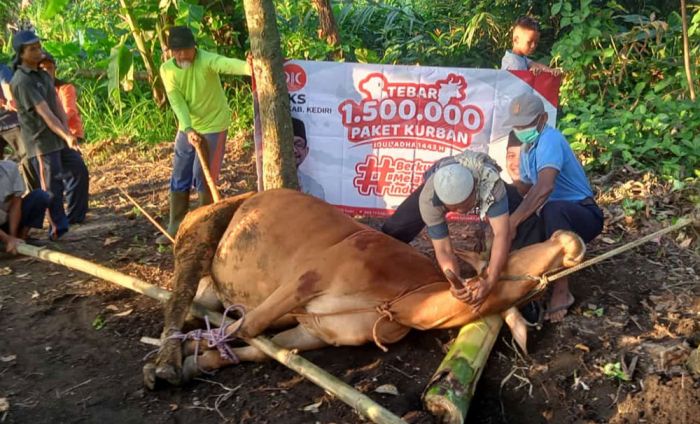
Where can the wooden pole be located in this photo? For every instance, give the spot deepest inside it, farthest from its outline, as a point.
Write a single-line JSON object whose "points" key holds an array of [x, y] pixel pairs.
{"points": [[453, 385], [149, 217], [204, 162], [361, 403]]}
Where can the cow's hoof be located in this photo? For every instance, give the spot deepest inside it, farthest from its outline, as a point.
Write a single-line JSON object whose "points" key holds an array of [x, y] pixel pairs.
{"points": [[190, 369], [149, 375], [169, 373]]}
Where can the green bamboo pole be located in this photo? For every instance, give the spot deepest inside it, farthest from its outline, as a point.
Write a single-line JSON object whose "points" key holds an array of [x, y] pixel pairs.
{"points": [[453, 385], [361, 403]]}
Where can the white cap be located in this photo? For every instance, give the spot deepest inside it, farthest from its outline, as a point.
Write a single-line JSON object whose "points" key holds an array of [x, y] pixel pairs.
{"points": [[453, 184]]}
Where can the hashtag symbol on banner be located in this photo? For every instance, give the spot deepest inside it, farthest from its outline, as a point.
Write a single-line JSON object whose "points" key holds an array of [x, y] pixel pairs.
{"points": [[373, 176]]}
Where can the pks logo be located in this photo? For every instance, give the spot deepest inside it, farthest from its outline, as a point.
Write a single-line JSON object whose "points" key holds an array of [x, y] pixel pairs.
{"points": [[295, 76], [410, 115]]}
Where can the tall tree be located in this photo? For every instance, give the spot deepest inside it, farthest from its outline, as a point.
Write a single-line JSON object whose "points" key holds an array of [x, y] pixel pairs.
{"points": [[146, 54], [686, 52], [279, 166], [328, 29]]}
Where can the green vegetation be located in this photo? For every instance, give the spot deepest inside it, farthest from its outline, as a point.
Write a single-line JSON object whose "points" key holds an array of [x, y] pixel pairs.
{"points": [[624, 98]]}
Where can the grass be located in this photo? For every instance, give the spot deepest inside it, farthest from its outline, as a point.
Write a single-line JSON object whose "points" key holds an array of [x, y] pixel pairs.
{"points": [[140, 120]]}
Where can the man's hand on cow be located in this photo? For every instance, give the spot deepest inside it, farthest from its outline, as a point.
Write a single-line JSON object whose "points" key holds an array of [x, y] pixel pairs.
{"points": [[478, 289], [472, 292]]}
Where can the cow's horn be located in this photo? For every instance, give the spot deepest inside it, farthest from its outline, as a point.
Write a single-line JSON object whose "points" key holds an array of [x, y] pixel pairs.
{"points": [[454, 280]]}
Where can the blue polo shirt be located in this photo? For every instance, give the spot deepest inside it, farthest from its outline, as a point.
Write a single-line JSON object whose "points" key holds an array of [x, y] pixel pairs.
{"points": [[551, 150], [515, 62]]}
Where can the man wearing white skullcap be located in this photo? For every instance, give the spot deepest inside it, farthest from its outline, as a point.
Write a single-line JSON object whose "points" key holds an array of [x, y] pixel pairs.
{"points": [[467, 182]]}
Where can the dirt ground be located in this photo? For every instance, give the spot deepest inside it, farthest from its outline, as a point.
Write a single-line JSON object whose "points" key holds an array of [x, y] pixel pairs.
{"points": [[70, 347]]}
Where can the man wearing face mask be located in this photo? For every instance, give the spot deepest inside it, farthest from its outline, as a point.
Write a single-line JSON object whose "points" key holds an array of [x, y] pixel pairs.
{"points": [[555, 186], [191, 81]]}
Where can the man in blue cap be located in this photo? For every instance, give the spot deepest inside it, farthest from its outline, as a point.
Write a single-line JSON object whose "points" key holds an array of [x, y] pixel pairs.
{"points": [[49, 145], [555, 187]]}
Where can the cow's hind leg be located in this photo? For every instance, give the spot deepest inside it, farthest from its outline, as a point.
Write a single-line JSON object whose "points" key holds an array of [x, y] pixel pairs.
{"points": [[297, 338]]}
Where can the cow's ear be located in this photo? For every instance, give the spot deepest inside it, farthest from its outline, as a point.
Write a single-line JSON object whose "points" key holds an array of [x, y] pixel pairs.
{"points": [[474, 260]]}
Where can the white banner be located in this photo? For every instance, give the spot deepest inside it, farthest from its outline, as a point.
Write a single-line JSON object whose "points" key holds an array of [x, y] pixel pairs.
{"points": [[365, 134]]}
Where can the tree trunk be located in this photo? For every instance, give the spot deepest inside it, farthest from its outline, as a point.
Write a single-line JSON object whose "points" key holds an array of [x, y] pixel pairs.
{"points": [[328, 30], [279, 165], [153, 75], [686, 52]]}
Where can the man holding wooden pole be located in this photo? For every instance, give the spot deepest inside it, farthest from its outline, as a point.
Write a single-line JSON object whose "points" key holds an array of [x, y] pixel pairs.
{"points": [[193, 87]]}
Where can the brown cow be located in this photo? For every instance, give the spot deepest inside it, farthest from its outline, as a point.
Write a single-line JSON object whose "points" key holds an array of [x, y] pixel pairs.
{"points": [[290, 258]]}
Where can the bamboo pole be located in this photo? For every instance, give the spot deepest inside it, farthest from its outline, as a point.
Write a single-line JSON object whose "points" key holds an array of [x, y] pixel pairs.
{"points": [[453, 385], [204, 162], [361, 403]]}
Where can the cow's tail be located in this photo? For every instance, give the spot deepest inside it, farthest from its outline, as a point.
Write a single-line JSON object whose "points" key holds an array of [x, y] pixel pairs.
{"points": [[195, 246]]}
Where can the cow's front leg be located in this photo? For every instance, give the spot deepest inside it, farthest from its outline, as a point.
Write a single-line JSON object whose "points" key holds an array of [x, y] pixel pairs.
{"points": [[281, 302], [297, 339], [286, 298]]}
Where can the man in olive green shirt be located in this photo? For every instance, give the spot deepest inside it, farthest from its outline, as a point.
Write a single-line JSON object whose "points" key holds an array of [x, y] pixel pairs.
{"points": [[191, 80]]}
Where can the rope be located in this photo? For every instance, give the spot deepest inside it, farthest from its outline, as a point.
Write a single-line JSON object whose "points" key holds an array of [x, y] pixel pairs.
{"points": [[215, 337], [546, 278], [631, 245]]}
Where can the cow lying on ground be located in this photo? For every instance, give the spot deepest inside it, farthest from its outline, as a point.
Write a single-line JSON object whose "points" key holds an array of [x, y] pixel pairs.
{"points": [[294, 261]]}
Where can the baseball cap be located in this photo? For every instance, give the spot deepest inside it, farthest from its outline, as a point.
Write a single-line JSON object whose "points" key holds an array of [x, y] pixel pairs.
{"points": [[22, 38], [524, 109], [453, 184]]}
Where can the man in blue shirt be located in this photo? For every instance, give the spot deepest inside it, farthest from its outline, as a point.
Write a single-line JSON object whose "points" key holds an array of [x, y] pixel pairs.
{"points": [[554, 184]]}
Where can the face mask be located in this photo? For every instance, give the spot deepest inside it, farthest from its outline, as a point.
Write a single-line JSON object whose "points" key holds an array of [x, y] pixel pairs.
{"points": [[527, 135], [184, 65]]}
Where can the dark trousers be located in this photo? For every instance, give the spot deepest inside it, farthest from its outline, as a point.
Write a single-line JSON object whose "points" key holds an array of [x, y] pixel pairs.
{"points": [[34, 207], [582, 217], [406, 222], [59, 172]]}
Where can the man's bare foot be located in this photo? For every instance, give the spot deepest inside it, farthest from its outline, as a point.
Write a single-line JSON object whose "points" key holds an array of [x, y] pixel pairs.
{"points": [[560, 301]]}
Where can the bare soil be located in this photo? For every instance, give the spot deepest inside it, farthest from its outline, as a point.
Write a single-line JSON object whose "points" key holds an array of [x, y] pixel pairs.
{"points": [[70, 347]]}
